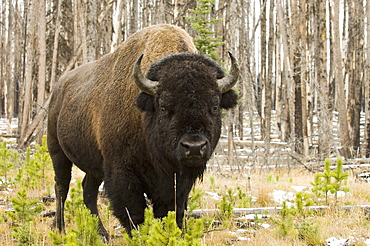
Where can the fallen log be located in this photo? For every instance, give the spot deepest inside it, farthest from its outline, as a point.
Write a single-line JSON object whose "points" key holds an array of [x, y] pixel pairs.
{"points": [[197, 213]]}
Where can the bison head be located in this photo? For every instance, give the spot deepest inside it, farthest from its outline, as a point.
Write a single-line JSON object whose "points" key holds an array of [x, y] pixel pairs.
{"points": [[182, 96]]}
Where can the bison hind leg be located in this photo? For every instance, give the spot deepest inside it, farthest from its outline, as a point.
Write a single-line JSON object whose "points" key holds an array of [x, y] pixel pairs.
{"points": [[90, 186], [63, 170]]}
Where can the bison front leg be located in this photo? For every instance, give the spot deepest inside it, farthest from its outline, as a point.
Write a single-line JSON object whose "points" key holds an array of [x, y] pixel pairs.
{"points": [[125, 191], [90, 186]]}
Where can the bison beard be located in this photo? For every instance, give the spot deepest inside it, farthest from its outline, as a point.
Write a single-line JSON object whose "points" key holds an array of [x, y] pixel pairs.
{"points": [[138, 145]]}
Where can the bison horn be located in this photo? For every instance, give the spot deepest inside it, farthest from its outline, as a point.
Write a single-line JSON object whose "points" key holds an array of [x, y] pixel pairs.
{"points": [[230, 80], [141, 81]]}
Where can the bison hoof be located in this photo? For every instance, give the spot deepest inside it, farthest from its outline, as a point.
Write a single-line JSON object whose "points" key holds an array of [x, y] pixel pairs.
{"points": [[105, 239], [104, 235]]}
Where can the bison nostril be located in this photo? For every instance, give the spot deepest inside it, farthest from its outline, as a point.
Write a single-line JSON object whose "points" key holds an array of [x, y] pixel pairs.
{"points": [[194, 148]]}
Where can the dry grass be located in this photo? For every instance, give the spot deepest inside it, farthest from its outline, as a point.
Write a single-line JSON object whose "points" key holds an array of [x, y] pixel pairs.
{"points": [[259, 185]]}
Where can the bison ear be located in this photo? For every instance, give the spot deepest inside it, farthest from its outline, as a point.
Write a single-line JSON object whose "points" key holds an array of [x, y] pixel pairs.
{"points": [[229, 99], [145, 102]]}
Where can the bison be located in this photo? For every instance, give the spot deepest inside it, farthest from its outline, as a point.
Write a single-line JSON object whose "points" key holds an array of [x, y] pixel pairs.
{"points": [[139, 134]]}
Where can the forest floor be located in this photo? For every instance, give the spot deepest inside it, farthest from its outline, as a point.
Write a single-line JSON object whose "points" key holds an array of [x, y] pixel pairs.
{"points": [[242, 189]]}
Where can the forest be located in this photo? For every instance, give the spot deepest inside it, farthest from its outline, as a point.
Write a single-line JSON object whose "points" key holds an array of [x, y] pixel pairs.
{"points": [[304, 99], [304, 64]]}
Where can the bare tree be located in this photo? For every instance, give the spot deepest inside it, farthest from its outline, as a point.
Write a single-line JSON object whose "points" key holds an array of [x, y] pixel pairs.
{"points": [[355, 70], [117, 24], [8, 86], [42, 62], [367, 78], [339, 81], [287, 88], [269, 80], [56, 45], [32, 11]]}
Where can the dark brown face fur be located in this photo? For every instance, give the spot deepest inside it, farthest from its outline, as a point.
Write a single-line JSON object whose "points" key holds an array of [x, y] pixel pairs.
{"points": [[182, 120]]}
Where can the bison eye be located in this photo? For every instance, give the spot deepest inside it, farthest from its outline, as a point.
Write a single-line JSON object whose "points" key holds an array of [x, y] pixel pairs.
{"points": [[163, 109], [215, 108]]}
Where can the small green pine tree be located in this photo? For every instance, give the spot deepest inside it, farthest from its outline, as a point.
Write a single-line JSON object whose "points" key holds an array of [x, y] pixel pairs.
{"points": [[33, 174], [194, 200], [155, 232], [302, 200], [165, 233], [285, 222], [322, 184], [244, 200], [7, 159], [193, 232], [339, 178], [206, 43], [226, 207], [75, 201], [24, 212], [330, 181], [25, 209], [24, 234]]}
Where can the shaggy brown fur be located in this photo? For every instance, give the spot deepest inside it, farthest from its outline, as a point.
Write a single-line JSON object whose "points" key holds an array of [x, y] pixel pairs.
{"points": [[94, 124]]}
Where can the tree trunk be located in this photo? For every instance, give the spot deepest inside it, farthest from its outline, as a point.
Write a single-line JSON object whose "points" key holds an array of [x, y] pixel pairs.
{"points": [[134, 22], [42, 64], [18, 57], [354, 68], [305, 78], [367, 78], [323, 107], [31, 36], [262, 72], [83, 29], [55, 47], [9, 88], [339, 81], [230, 140], [117, 25], [268, 82], [298, 103], [3, 47], [287, 87], [92, 27]]}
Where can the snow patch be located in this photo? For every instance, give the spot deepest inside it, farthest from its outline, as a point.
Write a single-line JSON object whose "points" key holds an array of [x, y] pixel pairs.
{"points": [[214, 195], [279, 196], [333, 241]]}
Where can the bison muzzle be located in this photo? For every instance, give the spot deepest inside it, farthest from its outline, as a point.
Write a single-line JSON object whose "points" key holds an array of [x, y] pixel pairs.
{"points": [[141, 135]]}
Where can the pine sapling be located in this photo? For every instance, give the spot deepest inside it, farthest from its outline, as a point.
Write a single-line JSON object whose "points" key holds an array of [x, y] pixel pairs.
{"points": [[330, 181], [226, 207], [323, 182], [33, 173], [339, 177], [75, 201], [302, 200], [205, 43], [193, 231], [194, 200], [165, 231], [285, 222], [8, 158], [24, 212], [244, 201], [25, 209]]}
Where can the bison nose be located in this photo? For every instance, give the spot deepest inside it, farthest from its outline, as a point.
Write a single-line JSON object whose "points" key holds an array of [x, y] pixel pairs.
{"points": [[194, 148]]}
